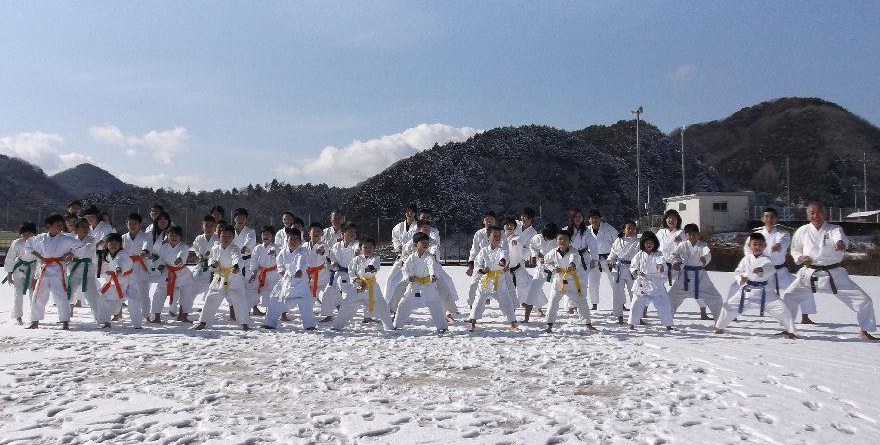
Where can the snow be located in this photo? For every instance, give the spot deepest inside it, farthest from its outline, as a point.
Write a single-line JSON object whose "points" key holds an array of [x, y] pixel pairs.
{"points": [[172, 385]]}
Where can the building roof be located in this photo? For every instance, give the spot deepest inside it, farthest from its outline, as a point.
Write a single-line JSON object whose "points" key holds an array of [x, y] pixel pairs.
{"points": [[862, 214], [707, 194]]}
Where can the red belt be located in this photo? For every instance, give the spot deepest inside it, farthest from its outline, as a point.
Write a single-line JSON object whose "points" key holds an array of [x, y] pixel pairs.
{"points": [[261, 276], [171, 280], [140, 260], [46, 263], [313, 274], [115, 281]]}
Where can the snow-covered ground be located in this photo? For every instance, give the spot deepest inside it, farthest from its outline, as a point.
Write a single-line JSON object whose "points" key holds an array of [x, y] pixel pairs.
{"points": [[172, 385]]}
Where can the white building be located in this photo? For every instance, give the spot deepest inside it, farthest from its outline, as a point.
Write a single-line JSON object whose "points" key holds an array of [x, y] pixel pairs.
{"points": [[713, 212]]}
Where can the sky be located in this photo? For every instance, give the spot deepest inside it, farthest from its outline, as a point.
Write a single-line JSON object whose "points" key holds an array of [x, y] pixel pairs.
{"points": [[208, 95]]}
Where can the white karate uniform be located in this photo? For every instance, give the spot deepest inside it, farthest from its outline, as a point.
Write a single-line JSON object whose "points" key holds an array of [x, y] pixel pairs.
{"points": [[401, 236], [331, 236], [480, 241], [51, 279], [111, 296], [281, 239], [356, 297], [520, 280], [263, 258], [23, 267], [489, 260], [81, 280], [183, 281], [340, 257], [567, 284], [603, 238], [783, 278], [649, 287], [247, 239], [201, 272], [742, 296], [668, 242], [318, 268], [291, 291], [420, 294], [541, 277], [622, 252], [137, 292], [819, 244], [586, 246], [689, 255], [99, 232], [226, 286]]}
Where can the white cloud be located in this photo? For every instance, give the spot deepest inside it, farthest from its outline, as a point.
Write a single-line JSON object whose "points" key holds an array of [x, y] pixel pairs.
{"points": [[163, 144], [361, 159], [681, 73], [43, 150], [162, 180]]}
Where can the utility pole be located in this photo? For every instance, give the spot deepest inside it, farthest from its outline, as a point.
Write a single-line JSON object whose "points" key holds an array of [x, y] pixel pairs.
{"points": [[865, 177], [682, 159], [787, 184], [638, 112]]}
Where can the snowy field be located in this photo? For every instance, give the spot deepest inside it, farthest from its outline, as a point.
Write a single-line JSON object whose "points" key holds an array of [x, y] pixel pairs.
{"points": [[172, 385]]}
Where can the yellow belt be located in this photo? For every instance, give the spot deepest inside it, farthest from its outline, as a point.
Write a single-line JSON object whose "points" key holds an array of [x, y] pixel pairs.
{"points": [[422, 280], [494, 275], [564, 273], [368, 283], [223, 276]]}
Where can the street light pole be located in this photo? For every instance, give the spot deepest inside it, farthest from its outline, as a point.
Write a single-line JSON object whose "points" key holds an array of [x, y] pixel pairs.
{"points": [[638, 113], [682, 159], [865, 177]]}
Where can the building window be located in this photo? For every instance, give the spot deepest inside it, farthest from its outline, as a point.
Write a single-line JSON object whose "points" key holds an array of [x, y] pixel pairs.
{"points": [[682, 207], [719, 206]]}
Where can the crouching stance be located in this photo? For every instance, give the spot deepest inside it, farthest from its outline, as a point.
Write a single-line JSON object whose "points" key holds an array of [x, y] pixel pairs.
{"points": [[649, 268], [421, 289], [293, 289], [365, 292], [492, 262], [564, 261], [228, 283]]}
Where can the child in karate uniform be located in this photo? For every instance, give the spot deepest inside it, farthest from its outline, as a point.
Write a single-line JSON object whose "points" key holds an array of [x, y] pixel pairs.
{"points": [[246, 240], [366, 292], [518, 279], [137, 244], [318, 272], [341, 255], [202, 247], [21, 270], [564, 261], [54, 249], [176, 281], [293, 288], [753, 287], [421, 289], [228, 284], [116, 271], [81, 280], [540, 245], [649, 268], [690, 258], [623, 250], [492, 263], [264, 270]]}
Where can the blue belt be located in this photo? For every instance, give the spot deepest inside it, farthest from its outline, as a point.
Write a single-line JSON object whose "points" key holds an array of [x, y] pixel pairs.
{"points": [[333, 274], [696, 270], [752, 285], [617, 280]]}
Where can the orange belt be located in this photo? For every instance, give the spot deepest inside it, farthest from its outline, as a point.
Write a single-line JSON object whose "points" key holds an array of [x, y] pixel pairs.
{"points": [[115, 281], [313, 274], [171, 280], [140, 260], [46, 263], [261, 276]]}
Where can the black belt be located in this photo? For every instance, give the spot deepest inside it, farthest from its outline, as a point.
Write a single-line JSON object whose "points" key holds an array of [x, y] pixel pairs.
{"points": [[512, 274], [603, 256], [583, 261], [669, 273], [246, 257], [814, 278], [778, 266]]}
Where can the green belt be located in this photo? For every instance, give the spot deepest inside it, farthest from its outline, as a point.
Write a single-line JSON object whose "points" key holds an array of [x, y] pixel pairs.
{"points": [[27, 276], [85, 273]]}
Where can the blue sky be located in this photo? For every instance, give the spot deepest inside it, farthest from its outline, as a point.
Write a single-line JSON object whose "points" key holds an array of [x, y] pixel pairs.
{"points": [[220, 94]]}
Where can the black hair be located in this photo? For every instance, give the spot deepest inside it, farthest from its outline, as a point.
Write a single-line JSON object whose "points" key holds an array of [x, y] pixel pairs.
{"points": [[550, 230], [157, 232], [368, 240], [70, 215], [75, 202], [757, 237], [27, 227], [425, 211], [691, 228], [292, 232], [565, 233], [228, 228], [594, 212], [222, 223], [81, 222], [674, 213], [488, 213], [53, 218], [493, 228], [348, 225], [649, 236], [623, 227], [175, 229], [135, 217], [157, 207], [109, 238], [509, 220], [269, 229], [208, 219], [218, 209], [297, 221], [240, 211], [287, 212], [580, 228], [422, 223], [316, 224], [528, 211], [411, 206], [419, 237], [92, 210], [770, 210]]}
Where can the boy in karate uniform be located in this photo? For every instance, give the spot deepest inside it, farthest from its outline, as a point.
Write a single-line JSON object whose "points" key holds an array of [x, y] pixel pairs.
{"points": [[54, 250], [116, 270], [333, 234], [753, 287], [540, 245], [21, 270], [421, 289], [137, 245], [246, 239], [492, 263], [690, 258], [366, 292], [518, 279], [401, 236], [318, 272], [623, 250], [778, 244], [264, 270], [480, 241], [649, 267], [564, 261], [341, 255], [293, 288], [81, 280], [603, 236], [202, 247], [819, 247], [281, 235], [176, 280], [228, 283]]}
